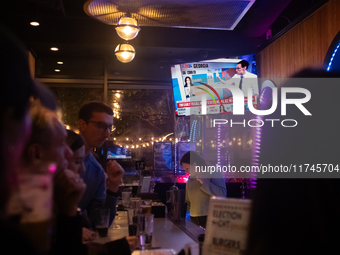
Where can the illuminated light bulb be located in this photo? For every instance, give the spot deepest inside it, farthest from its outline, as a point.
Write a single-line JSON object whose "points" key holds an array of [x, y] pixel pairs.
{"points": [[34, 23], [114, 138], [140, 139], [60, 63], [125, 55], [127, 139], [67, 127], [54, 49], [125, 52], [151, 138], [239, 143], [230, 143], [127, 146], [127, 28], [234, 139]]}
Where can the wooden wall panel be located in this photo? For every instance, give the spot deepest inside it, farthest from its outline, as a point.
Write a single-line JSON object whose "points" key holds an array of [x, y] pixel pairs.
{"points": [[305, 45]]}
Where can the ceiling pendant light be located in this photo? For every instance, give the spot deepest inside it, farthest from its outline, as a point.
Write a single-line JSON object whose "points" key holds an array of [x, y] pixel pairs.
{"points": [[127, 27], [125, 52]]}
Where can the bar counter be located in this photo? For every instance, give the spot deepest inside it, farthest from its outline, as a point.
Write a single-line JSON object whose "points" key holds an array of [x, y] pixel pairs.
{"points": [[166, 235], [170, 235]]}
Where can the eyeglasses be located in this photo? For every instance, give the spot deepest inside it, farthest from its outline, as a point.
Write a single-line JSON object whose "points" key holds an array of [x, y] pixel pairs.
{"points": [[103, 126]]}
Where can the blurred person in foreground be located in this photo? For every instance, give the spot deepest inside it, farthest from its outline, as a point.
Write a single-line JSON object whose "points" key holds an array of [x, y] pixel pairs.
{"points": [[76, 164], [95, 125], [17, 87], [47, 145], [199, 190], [47, 153], [300, 215]]}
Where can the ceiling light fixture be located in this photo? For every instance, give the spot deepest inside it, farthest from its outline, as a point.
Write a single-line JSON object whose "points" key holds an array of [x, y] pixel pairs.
{"points": [[34, 23], [127, 27], [54, 49], [57, 70], [125, 52], [60, 63]]}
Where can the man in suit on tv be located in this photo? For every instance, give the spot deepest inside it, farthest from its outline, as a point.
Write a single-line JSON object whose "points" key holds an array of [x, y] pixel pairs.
{"points": [[243, 80]]}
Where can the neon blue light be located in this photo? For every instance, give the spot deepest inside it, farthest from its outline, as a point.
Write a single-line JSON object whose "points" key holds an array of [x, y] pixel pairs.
{"points": [[333, 55]]}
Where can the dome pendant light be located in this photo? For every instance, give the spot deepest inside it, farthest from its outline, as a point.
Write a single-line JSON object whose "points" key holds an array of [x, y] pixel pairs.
{"points": [[125, 52], [127, 27]]}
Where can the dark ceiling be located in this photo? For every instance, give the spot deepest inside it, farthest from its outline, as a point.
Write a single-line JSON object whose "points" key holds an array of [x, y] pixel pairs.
{"points": [[84, 43]]}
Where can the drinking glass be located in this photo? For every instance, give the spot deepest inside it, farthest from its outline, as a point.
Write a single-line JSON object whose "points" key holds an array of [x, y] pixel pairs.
{"points": [[126, 196], [102, 218], [145, 230]]}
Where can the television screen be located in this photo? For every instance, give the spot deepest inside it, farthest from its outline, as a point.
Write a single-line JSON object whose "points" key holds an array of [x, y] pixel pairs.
{"points": [[117, 152], [182, 148], [193, 81], [162, 156]]}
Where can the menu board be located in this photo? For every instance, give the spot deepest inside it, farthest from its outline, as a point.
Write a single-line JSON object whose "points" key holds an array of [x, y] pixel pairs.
{"points": [[162, 154], [227, 226]]}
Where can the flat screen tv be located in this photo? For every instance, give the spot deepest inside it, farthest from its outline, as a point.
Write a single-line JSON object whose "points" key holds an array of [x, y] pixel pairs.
{"points": [[162, 152], [192, 81], [182, 148], [117, 152]]}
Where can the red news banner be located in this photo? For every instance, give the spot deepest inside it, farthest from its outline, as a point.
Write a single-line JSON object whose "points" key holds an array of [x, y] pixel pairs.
{"points": [[195, 107]]}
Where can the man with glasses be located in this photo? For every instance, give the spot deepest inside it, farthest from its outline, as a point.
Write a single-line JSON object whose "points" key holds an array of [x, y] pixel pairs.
{"points": [[95, 125], [243, 80]]}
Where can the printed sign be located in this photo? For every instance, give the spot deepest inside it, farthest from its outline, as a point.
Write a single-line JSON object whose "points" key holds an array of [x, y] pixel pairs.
{"points": [[227, 226]]}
